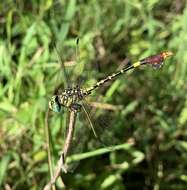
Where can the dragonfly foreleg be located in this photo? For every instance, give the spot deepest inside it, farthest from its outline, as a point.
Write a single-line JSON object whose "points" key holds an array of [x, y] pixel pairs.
{"points": [[76, 107]]}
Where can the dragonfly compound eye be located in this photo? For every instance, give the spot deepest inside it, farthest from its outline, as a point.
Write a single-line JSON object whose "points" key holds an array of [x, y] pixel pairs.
{"points": [[54, 104]]}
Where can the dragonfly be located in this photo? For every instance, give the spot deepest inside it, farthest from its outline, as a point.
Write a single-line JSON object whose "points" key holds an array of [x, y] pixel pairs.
{"points": [[70, 97]]}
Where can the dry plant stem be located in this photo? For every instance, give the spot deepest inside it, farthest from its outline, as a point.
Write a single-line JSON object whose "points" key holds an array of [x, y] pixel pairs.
{"points": [[67, 144], [73, 115]]}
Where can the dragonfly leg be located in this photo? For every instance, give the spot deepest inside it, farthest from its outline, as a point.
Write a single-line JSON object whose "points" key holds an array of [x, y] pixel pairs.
{"points": [[76, 107]]}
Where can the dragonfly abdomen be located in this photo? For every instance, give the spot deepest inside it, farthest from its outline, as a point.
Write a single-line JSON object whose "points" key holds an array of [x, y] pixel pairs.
{"points": [[152, 59]]}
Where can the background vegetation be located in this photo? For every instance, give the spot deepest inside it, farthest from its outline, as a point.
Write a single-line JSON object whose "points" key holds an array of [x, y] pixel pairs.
{"points": [[151, 117]]}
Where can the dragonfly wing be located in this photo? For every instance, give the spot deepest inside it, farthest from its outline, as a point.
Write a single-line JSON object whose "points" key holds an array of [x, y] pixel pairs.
{"points": [[62, 67], [99, 122], [88, 135]]}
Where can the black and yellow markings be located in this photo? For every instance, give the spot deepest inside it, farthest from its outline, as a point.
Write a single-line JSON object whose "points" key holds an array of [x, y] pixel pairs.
{"points": [[73, 95], [112, 76]]}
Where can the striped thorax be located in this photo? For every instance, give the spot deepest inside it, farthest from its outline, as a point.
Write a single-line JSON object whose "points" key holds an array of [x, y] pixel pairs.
{"points": [[69, 98]]}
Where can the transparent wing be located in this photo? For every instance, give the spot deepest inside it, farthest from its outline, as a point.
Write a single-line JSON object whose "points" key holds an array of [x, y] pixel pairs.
{"points": [[62, 69], [102, 116], [93, 130]]}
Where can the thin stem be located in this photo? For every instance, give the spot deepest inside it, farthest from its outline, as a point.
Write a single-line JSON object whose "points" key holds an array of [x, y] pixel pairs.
{"points": [[67, 144]]}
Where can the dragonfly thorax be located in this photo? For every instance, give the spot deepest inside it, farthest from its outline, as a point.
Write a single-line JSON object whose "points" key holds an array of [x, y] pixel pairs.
{"points": [[69, 98]]}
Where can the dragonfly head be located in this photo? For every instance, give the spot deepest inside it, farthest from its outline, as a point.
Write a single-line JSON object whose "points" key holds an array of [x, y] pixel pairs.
{"points": [[54, 104]]}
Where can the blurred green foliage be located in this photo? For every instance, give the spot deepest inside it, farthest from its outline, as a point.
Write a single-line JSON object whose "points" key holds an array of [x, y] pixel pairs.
{"points": [[154, 103]]}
